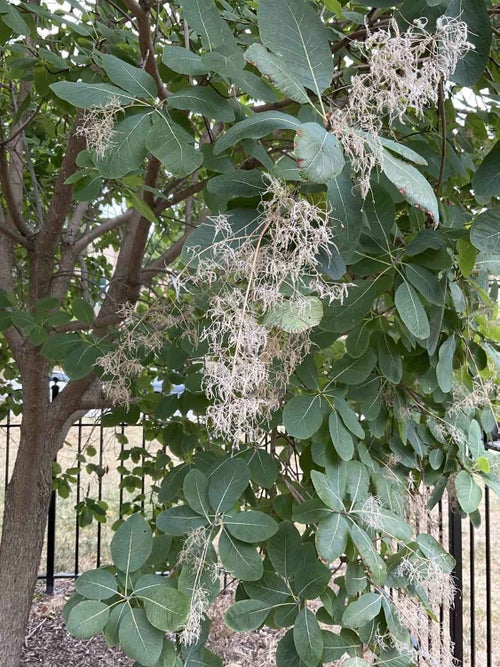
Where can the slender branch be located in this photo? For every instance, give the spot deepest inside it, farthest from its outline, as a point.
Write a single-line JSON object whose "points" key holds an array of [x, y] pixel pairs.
{"points": [[158, 265], [146, 45], [97, 232], [193, 189], [442, 122], [13, 235], [34, 184], [21, 127], [12, 207]]}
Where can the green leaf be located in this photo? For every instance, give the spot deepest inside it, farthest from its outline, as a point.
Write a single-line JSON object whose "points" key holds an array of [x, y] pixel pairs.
{"points": [[358, 481], [172, 145], [369, 554], [277, 70], [203, 101], [138, 638], [255, 127], [80, 360], [134, 80], [349, 417], [166, 608], [331, 537], [330, 489], [195, 489], [345, 213], [246, 615], [479, 33], [204, 17], [387, 522], [237, 183], [354, 371], [128, 148], [286, 653], [295, 316], [302, 416], [240, 560], [444, 368], [12, 17], [358, 303], [362, 610], [131, 544], [227, 482], [426, 282], [341, 438], [307, 638], [250, 526], [293, 30], [270, 589], [82, 310], [87, 95], [87, 618], [284, 550], [411, 184], [411, 311], [182, 60], [389, 359], [469, 493], [264, 470], [431, 548], [58, 346], [179, 520], [486, 180], [318, 153], [97, 584], [337, 645], [485, 231]]}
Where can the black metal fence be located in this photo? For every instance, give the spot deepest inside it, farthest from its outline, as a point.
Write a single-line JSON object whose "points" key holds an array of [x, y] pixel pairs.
{"points": [[69, 548]]}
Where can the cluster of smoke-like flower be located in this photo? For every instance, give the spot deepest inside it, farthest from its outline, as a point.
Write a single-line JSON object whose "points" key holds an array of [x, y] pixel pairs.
{"points": [[97, 126], [194, 555], [431, 641], [250, 356], [484, 393], [404, 72], [141, 332]]}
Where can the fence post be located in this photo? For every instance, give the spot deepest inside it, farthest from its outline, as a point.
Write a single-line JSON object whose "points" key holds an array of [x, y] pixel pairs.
{"points": [[456, 613], [51, 525]]}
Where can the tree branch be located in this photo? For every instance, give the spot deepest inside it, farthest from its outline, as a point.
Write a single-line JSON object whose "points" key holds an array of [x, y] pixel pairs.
{"points": [[14, 211], [106, 226], [146, 45], [158, 265]]}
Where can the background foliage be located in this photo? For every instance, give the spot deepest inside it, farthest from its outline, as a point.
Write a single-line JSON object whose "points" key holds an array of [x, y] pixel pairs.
{"points": [[185, 108]]}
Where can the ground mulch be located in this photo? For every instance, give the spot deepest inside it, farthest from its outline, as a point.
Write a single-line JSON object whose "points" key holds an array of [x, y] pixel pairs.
{"points": [[48, 644]]}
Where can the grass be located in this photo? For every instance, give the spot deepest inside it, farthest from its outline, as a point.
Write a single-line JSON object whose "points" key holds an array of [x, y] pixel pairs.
{"points": [[107, 487]]}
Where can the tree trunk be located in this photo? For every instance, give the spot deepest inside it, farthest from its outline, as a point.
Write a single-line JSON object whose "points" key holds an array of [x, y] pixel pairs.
{"points": [[27, 502]]}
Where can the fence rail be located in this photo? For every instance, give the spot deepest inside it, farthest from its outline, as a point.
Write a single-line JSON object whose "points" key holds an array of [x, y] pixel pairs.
{"points": [[70, 549]]}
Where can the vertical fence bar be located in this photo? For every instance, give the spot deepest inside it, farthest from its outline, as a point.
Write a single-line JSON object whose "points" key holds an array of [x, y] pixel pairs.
{"points": [[489, 620], [472, 598], [78, 496], [51, 525], [99, 491], [456, 613]]}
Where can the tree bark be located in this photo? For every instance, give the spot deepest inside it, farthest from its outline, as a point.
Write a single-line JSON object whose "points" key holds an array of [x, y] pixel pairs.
{"points": [[43, 431]]}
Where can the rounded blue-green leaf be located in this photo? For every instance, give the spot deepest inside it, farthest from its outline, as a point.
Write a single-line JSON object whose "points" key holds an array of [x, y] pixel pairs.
{"points": [[318, 153], [411, 311], [179, 520], [246, 615], [302, 416], [227, 482], [307, 638], [239, 559], [166, 608], [132, 544], [362, 610], [97, 584], [250, 526], [469, 493], [87, 618], [138, 638]]}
